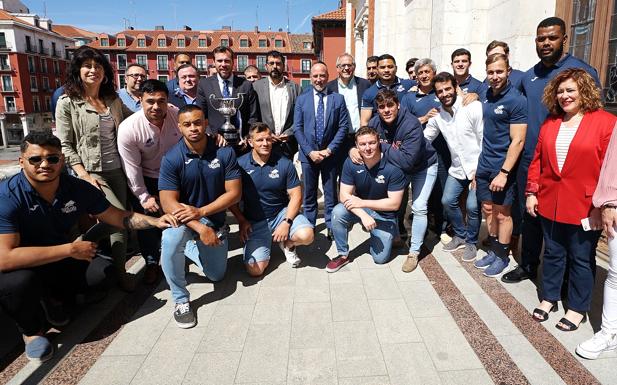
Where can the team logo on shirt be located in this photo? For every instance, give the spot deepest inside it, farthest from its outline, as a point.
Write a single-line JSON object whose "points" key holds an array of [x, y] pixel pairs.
{"points": [[436, 99], [274, 174], [69, 207], [533, 79], [380, 179], [214, 164], [400, 88], [33, 208], [188, 161], [359, 171], [499, 110], [250, 172]]}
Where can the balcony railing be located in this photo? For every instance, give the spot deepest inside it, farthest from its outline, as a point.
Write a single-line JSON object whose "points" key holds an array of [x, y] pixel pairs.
{"points": [[5, 47], [44, 51], [11, 110], [55, 53], [30, 49], [5, 67]]}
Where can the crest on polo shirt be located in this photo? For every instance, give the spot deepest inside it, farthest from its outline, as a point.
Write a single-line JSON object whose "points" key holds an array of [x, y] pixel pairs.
{"points": [[215, 163], [69, 207], [250, 172], [400, 88], [274, 174], [499, 109], [380, 179]]}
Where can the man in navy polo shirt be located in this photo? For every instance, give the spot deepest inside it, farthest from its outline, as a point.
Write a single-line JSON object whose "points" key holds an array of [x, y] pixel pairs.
{"points": [[272, 197], [371, 194], [198, 182], [39, 262], [461, 61], [386, 69], [516, 76], [551, 39], [505, 121]]}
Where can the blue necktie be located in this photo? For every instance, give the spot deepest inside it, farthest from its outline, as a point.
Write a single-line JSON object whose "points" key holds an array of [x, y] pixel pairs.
{"points": [[320, 119], [226, 93]]}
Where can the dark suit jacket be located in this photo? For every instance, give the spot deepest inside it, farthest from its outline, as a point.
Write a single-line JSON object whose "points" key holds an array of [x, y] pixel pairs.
{"points": [[337, 124], [361, 86], [177, 100], [262, 89], [249, 111]]}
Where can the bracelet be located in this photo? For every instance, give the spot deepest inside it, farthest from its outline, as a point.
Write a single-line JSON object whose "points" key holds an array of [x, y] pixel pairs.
{"points": [[505, 171], [288, 220]]}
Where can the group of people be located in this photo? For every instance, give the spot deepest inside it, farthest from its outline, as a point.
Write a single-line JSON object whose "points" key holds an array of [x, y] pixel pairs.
{"points": [[530, 150]]}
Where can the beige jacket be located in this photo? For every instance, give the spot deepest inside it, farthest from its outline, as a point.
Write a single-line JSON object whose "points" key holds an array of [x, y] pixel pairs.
{"points": [[77, 123]]}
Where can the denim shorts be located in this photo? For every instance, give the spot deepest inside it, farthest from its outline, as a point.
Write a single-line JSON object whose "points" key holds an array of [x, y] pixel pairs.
{"points": [[259, 244]]}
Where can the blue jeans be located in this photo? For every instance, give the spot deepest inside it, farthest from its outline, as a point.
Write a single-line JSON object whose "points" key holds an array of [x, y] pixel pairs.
{"points": [[422, 184], [452, 192], [380, 243], [181, 241]]}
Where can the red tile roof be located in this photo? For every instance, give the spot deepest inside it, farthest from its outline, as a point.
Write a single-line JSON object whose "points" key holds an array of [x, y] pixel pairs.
{"points": [[4, 15], [338, 14], [72, 31]]}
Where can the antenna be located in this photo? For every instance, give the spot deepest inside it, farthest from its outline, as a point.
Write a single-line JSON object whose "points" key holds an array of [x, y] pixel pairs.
{"points": [[257, 16], [45, 8], [288, 1], [127, 23]]}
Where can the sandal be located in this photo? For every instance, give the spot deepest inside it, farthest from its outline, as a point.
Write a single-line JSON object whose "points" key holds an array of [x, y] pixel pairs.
{"points": [[569, 325], [540, 315]]}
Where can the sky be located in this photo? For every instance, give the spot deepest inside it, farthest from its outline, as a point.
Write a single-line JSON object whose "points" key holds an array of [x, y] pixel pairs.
{"points": [[111, 15]]}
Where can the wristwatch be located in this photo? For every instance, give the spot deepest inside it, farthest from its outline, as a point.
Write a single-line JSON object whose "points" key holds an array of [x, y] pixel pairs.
{"points": [[289, 221], [505, 171]]}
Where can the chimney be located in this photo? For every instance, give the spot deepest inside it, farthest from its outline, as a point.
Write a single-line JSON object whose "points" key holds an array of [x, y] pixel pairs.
{"points": [[280, 29], [159, 27], [187, 28], [256, 29]]}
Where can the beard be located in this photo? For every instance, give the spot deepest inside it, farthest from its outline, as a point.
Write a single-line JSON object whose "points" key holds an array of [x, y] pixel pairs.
{"points": [[553, 57], [276, 74]]}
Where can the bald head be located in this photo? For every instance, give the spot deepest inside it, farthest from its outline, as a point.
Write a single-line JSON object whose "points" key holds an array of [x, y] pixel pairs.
{"points": [[319, 76]]}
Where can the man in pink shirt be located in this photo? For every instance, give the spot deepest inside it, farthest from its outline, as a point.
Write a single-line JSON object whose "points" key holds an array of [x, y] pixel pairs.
{"points": [[143, 139]]}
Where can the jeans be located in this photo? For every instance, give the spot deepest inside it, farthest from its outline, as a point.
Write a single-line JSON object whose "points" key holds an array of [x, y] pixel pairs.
{"points": [[150, 239], [435, 207], [569, 247], [609, 307], [180, 242], [453, 190], [380, 243], [422, 184]]}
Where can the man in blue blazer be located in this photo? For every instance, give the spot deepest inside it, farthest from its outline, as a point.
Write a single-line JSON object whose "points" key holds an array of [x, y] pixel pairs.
{"points": [[321, 122]]}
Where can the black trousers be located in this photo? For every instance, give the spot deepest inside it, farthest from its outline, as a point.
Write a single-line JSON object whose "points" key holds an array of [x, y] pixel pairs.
{"points": [[150, 239]]}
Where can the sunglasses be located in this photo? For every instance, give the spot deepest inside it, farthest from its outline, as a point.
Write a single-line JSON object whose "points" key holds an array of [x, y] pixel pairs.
{"points": [[38, 159]]}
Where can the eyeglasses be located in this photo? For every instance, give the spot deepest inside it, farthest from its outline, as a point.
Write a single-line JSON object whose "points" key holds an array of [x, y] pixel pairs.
{"points": [[137, 76], [38, 159], [345, 65]]}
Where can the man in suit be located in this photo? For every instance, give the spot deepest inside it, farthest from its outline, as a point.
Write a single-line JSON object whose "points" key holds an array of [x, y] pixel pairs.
{"points": [[321, 122], [225, 84], [352, 88], [276, 97], [186, 93], [179, 60]]}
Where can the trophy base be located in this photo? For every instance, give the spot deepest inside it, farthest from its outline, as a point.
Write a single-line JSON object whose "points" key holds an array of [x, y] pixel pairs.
{"points": [[232, 138]]}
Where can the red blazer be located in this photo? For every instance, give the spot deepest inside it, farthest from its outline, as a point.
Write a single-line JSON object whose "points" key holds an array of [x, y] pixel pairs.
{"points": [[565, 196]]}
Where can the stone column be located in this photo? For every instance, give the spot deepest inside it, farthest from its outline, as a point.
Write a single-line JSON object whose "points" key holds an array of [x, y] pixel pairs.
{"points": [[24, 123], [5, 138]]}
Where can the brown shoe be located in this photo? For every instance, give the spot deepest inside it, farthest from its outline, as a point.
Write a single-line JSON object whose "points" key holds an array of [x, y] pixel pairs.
{"points": [[152, 273], [411, 262]]}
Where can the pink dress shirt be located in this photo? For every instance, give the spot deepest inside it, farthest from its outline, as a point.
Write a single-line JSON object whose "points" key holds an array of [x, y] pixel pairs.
{"points": [[606, 190]]}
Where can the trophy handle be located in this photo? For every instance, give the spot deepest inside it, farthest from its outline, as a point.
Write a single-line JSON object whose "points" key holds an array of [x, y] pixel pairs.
{"points": [[211, 98], [241, 97]]}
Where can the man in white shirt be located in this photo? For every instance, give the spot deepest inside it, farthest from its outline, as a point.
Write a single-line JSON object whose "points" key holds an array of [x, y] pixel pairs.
{"points": [[461, 127]]}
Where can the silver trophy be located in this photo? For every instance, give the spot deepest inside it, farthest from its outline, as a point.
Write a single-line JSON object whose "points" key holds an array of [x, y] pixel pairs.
{"points": [[227, 108]]}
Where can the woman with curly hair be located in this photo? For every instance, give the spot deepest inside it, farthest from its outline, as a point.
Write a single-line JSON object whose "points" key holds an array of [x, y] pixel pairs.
{"points": [[87, 120], [562, 179]]}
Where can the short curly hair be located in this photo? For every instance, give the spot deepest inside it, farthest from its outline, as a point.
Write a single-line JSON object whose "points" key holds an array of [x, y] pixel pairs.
{"points": [[589, 93]]}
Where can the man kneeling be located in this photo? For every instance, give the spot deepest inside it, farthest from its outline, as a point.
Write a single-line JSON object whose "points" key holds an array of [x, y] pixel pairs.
{"points": [[371, 194], [272, 197]]}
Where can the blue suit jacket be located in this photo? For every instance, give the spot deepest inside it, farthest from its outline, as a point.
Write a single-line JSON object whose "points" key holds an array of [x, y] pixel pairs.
{"points": [[337, 124]]}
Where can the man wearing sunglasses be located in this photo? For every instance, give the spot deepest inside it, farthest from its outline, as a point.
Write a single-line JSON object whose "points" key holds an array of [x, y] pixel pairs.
{"points": [[41, 267], [130, 94]]}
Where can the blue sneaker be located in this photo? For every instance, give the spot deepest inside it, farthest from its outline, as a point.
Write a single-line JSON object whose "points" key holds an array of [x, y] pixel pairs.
{"points": [[485, 261], [496, 267], [39, 349]]}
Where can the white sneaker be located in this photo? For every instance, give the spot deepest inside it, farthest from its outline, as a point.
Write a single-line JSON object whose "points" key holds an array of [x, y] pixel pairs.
{"points": [[290, 255], [596, 345]]}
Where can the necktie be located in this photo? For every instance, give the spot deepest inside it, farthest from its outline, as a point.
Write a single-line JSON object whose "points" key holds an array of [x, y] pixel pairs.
{"points": [[320, 119], [226, 93]]}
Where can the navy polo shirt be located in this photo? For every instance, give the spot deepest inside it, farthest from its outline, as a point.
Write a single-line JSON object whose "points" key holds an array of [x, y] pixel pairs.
{"points": [[200, 180], [533, 83], [516, 78], [420, 104], [401, 86], [40, 223], [471, 85], [374, 183], [499, 112], [264, 188]]}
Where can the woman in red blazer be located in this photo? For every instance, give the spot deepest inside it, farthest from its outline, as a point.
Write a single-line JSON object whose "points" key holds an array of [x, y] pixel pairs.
{"points": [[561, 182]]}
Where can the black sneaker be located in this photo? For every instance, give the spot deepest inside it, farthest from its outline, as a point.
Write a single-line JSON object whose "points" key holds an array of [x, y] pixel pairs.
{"points": [[184, 316], [517, 275], [54, 313]]}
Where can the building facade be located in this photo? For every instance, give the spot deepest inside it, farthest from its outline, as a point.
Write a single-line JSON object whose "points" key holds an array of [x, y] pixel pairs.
{"points": [[33, 61], [156, 49], [329, 36]]}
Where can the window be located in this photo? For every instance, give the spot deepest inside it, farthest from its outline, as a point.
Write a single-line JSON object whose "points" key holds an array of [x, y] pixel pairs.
{"points": [[306, 65], [54, 52], [121, 61], [244, 43], [201, 62], [224, 42], [243, 62], [56, 67], [181, 43], [108, 57], [203, 43], [304, 83], [7, 83], [47, 103], [3, 41], [31, 65], [36, 104], [33, 85], [263, 43], [41, 46], [4, 62], [162, 63], [46, 83], [44, 65], [9, 102], [278, 43], [261, 63], [583, 14], [142, 60], [121, 81], [121, 42], [306, 45], [610, 81], [28, 44], [104, 42], [141, 42], [162, 42], [163, 78]]}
